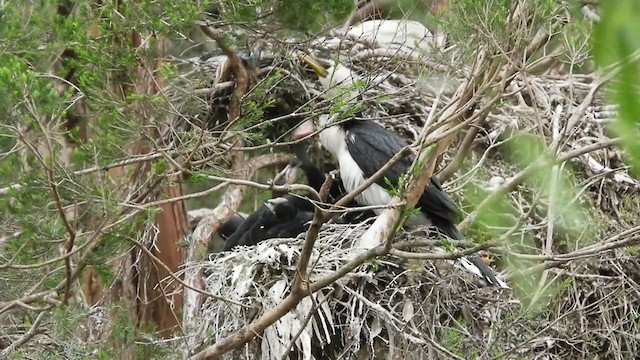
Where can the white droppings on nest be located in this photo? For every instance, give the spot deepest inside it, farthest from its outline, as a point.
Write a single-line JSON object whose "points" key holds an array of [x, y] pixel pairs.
{"points": [[260, 277], [494, 183]]}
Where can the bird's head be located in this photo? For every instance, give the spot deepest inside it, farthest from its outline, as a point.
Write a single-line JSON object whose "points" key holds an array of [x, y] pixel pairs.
{"points": [[281, 207], [306, 128], [288, 175], [336, 78], [338, 82]]}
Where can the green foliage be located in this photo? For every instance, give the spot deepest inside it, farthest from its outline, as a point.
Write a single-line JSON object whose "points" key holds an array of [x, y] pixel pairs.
{"points": [[33, 126], [255, 105], [297, 15], [557, 183], [122, 328], [343, 106], [615, 41], [497, 215], [311, 15], [21, 84], [477, 19]]}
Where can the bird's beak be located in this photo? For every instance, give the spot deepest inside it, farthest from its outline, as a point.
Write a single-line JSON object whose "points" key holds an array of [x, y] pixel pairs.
{"points": [[313, 64], [303, 130], [270, 206], [289, 174], [271, 203]]}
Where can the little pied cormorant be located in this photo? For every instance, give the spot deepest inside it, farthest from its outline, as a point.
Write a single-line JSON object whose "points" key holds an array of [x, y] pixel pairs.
{"points": [[284, 216], [287, 215], [234, 233], [362, 147]]}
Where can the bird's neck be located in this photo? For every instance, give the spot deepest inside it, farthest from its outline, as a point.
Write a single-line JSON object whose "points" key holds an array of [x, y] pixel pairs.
{"points": [[339, 85], [333, 139]]}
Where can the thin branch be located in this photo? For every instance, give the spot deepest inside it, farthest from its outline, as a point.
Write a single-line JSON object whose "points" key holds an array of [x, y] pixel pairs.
{"points": [[26, 336], [444, 256], [232, 197], [307, 248], [462, 152], [537, 165]]}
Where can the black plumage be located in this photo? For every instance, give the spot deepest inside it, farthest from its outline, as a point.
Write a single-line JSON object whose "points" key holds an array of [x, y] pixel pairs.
{"points": [[283, 216], [230, 226], [372, 146], [286, 215], [316, 178], [290, 215], [369, 146]]}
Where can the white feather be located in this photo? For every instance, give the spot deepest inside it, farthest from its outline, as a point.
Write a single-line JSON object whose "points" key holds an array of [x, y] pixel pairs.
{"points": [[333, 139], [339, 82], [403, 35]]}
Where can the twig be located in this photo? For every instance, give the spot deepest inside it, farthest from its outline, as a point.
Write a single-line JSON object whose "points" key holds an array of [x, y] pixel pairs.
{"points": [[232, 197], [68, 248], [298, 286], [550, 325], [255, 163], [26, 336], [551, 212], [444, 256], [540, 163], [453, 166]]}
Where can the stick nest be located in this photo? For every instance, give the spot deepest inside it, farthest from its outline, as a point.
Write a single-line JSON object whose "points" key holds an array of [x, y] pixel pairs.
{"points": [[417, 309]]}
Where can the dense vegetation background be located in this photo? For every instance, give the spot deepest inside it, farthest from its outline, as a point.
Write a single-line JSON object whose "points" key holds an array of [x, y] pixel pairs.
{"points": [[130, 130]]}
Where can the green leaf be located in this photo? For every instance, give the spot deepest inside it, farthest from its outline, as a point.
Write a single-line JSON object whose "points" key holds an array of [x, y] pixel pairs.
{"points": [[616, 40]]}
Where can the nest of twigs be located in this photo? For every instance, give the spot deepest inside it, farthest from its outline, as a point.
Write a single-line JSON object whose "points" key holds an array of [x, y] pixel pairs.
{"points": [[389, 299], [416, 309]]}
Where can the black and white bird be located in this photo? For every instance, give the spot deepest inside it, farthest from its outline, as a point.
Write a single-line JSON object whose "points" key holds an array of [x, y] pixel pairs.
{"points": [[288, 215], [316, 178], [362, 147]]}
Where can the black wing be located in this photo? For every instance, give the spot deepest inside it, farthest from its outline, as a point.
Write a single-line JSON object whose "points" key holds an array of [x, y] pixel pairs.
{"points": [[249, 230], [292, 227], [439, 206], [256, 227], [372, 146]]}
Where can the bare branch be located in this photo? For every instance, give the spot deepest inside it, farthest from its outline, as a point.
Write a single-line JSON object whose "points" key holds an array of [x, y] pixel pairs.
{"points": [[26, 336]]}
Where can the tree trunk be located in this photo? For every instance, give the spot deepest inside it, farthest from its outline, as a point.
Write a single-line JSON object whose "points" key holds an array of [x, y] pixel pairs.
{"points": [[142, 286]]}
